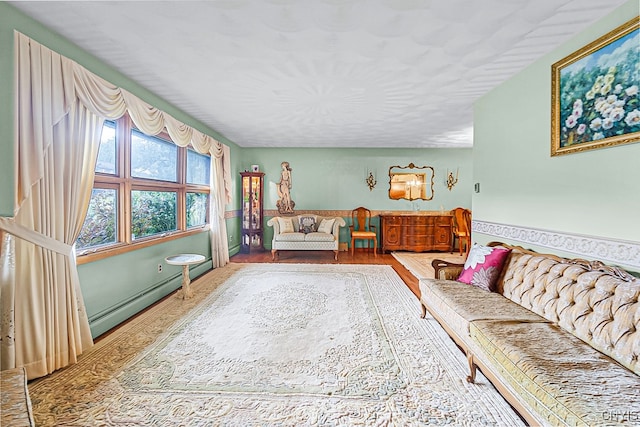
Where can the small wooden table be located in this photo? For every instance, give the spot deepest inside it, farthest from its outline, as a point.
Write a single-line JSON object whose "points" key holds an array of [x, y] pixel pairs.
{"points": [[185, 260]]}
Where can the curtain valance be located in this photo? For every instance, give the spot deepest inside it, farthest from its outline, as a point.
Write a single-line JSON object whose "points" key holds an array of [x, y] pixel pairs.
{"points": [[70, 81]]}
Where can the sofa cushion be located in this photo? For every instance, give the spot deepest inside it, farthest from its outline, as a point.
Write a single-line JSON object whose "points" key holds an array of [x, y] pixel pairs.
{"points": [[600, 308], [461, 304], [326, 225], [483, 266], [307, 223], [289, 237], [564, 379], [286, 225], [319, 237]]}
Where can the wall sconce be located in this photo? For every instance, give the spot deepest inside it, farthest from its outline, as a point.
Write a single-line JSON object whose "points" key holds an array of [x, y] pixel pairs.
{"points": [[371, 181], [451, 181]]}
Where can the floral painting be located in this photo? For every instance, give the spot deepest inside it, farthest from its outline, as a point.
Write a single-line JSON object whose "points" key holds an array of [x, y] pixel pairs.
{"points": [[595, 93]]}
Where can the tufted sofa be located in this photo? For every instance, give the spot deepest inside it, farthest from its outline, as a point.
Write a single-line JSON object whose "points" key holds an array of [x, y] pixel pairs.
{"points": [[305, 234], [559, 338]]}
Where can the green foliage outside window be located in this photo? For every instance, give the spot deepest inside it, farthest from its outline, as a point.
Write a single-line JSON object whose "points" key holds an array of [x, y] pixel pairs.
{"points": [[154, 183], [100, 224], [153, 212]]}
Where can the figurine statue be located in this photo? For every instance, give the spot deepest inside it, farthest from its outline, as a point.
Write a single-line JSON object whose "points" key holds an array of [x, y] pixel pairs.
{"points": [[285, 204]]}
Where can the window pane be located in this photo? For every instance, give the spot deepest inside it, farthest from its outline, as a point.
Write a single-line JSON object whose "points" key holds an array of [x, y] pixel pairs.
{"points": [[152, 212], [100, 225], [197, 168], [153, 158], [107, 153], [196, 209]]}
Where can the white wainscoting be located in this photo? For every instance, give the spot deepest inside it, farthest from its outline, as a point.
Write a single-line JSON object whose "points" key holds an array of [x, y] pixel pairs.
{"points": [[606, 250]]}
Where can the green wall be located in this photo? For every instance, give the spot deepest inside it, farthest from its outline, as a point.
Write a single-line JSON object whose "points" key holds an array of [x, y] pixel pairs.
{"points": [[329, 178], [593, 193], [334, 179], [117, 287]]}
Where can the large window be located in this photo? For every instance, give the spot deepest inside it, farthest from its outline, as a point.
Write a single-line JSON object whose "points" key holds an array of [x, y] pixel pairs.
{"points": [[146, 190]]}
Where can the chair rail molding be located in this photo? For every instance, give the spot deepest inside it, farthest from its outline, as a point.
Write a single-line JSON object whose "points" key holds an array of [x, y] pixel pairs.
{"points": [[603, 249]]}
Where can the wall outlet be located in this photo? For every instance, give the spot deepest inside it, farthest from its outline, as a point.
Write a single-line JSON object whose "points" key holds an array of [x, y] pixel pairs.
{"points": [[159, 268]]}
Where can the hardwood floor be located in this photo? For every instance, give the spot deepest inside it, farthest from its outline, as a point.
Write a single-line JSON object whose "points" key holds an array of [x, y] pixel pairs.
{"points": [[361, 256]]}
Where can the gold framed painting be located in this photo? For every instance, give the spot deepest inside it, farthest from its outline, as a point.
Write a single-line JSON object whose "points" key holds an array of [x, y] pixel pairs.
{"points": [[594, 93]]}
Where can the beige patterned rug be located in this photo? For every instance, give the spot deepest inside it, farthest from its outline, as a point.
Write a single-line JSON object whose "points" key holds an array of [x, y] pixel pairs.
{"points": [[276, 344], [419, 264]]}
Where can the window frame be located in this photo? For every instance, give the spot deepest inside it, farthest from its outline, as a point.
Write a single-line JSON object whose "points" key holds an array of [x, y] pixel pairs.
{"points": [[124, 183]]}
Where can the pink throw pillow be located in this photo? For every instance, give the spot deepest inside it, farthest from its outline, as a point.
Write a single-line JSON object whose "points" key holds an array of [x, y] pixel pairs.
{"points": [[483, 266]]}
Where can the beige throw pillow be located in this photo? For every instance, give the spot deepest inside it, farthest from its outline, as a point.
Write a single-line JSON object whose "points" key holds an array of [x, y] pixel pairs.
{"points": [[326, 225], [286, 225]]}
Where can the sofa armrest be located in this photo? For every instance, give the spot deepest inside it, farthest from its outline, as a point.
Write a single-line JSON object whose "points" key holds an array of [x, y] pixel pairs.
{"points": [[275, 224], [339, 222], [445, 270]]}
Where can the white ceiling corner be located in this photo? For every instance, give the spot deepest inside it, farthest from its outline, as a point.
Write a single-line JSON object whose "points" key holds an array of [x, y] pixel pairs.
{"points": [[322, 73]]}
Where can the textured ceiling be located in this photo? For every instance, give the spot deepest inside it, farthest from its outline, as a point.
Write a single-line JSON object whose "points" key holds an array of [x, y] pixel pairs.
{"points": [[323, 73]]}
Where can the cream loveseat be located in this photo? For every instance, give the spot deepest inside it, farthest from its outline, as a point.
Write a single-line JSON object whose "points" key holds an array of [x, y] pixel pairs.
{"points": [[559, 338], [305, 233]]}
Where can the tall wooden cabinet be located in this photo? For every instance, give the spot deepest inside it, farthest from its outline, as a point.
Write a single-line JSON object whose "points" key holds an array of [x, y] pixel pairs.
{"points": [[252, 212], [418, 232]]}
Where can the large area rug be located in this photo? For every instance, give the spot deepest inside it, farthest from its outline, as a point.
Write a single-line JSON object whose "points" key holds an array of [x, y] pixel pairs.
{"points": [[276, 344], [419, 264]]}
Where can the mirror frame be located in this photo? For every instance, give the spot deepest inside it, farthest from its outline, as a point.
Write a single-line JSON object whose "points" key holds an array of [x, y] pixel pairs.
{"points": [[409, 168]]}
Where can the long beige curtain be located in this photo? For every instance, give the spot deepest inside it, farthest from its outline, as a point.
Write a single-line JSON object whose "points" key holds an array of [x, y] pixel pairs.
{"points": [[60, 109]]}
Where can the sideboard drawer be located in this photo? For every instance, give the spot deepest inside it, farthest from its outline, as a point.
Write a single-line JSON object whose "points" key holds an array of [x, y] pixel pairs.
{"points": [[394, 220], [418, 220], [421, 241], [418, 232]]}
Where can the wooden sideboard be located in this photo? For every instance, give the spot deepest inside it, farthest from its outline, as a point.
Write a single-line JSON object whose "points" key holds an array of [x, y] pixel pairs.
{"points": [[416, 231]]}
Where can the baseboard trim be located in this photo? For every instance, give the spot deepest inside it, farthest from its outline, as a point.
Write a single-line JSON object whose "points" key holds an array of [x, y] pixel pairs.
{"points": [[101, 322], [613, 251]]}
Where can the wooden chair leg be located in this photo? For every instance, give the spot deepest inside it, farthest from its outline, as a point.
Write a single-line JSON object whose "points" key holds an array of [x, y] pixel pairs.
{"points": [[273, 254], [424, 311], [472, 369], [375, 246], [353, 246]]}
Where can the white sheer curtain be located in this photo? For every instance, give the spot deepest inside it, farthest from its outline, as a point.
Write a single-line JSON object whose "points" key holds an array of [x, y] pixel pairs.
{"points": [[60, 109]]}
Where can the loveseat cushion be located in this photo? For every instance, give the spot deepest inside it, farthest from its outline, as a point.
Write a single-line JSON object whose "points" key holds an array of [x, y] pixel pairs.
{"points": [[319, 237], [289, 237], [565, 380], [461, 304], [326, 225], [286, 225], [307, 223]]}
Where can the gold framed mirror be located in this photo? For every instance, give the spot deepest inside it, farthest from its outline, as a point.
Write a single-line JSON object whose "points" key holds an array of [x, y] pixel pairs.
{"points": [[411, 182]]}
